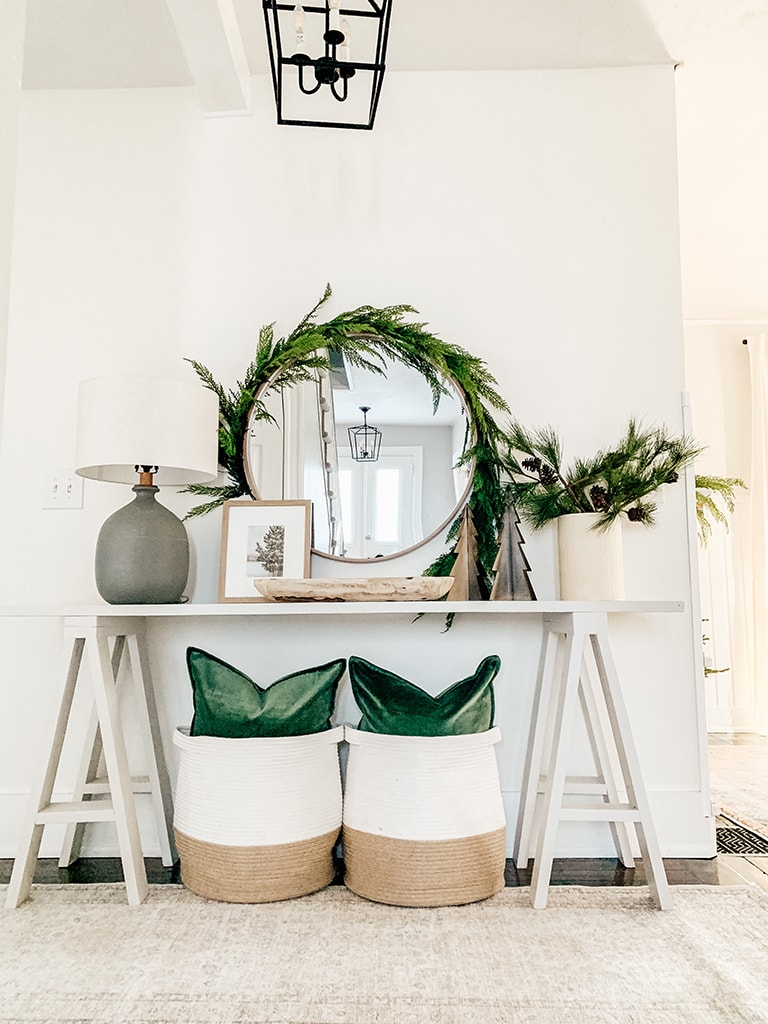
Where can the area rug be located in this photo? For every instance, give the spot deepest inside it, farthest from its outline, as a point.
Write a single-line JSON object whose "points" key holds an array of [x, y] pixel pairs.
{"points": [[594, 956], [739, 783]]}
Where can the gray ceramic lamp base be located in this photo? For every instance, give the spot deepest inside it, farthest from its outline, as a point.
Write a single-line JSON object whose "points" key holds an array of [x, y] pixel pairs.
{"points": [[142, 553]]}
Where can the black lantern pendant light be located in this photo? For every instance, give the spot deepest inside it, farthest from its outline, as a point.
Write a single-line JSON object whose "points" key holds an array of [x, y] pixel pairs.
{"points": [[365, 440], [310, 55]]}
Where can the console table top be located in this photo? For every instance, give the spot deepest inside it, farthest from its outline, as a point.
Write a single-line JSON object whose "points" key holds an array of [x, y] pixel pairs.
{"points": [[192, 610]]}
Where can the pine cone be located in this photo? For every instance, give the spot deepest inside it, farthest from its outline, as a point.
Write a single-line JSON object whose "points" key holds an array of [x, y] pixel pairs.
{"points": [[672, 478], [532, 464], [637, 514], [547, 476], [599, 497]]}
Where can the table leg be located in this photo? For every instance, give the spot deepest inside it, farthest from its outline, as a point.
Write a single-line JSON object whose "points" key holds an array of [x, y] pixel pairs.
{"points": [[526, 819], [89, 770], [116, 759], [159, 782], [607, 767], [41, 793], [630, 764], [554, 786], [617, 795]]}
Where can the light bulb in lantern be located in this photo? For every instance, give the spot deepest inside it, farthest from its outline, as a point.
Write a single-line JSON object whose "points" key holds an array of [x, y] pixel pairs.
{"points": [[344, 51], [333, 20], [298, 18]]}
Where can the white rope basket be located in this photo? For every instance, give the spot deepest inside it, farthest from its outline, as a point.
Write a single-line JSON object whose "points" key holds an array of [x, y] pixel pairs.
{"points": [[423, 819], [257, 819]]}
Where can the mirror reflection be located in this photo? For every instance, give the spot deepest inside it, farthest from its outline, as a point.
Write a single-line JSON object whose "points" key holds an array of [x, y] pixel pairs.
{"points": [[366, 505]]}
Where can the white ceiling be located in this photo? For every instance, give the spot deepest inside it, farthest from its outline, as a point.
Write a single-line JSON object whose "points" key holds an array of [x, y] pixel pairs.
{"points": [[402, 397], [722, 88]]}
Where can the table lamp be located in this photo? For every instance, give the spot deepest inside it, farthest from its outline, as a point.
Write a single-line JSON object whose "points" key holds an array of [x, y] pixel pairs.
{"points": [[149, 431]]}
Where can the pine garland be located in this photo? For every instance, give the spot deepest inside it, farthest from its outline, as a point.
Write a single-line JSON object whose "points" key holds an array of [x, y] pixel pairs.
{"points": [[367, 337], [715, 502], [612, 482]]}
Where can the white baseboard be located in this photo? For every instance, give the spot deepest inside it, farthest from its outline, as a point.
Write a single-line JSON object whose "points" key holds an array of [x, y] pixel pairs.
{"points": [[683, 830], [100, 839], [731, 720]]}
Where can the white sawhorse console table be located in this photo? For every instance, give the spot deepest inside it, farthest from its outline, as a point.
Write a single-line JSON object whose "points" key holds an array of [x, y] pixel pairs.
{"points": [[103, 641], [586, 675], [576, 667]]}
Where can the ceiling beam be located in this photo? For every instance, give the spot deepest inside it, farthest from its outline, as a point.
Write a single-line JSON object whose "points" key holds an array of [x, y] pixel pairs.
{"points": [[210, 38]]}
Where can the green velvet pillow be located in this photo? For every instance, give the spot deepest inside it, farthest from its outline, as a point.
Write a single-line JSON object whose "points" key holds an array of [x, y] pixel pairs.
{"points": [[228, 703], [392, 705]]}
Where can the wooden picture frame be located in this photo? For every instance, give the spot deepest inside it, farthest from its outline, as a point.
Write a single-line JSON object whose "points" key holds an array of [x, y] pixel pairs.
{"points": [[262, 539]]}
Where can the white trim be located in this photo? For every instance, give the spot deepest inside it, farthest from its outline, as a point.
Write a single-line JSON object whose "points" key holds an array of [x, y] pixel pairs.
{"points": [[668, 808], [689, 480], [573, 839]]}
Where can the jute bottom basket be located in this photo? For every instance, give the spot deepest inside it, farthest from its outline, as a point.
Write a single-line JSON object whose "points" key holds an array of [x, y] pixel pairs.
{"points": [[257, 820], [423, 822]]}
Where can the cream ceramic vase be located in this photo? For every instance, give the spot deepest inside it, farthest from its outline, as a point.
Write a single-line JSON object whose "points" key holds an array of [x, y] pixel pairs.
{"points": [[591, 560]]}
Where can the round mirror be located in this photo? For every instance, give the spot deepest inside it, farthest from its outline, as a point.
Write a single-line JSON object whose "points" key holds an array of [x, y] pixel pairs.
{"points": [[371, 452]]}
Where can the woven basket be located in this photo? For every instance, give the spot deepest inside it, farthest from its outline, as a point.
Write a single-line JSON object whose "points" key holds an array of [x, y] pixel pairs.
{"points": [[257, 820], [423, 822]]}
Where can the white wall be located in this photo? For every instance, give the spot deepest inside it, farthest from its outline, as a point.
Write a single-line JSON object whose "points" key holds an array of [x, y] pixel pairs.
{"points": [[529, 216], [12, 17], [717, 371]]}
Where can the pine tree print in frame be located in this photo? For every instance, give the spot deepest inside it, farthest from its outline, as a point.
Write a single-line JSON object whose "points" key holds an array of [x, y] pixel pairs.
{"points": [[262, 540]]}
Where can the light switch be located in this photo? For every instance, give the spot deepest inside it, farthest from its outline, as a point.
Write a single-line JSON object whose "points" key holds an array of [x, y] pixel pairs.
{"points": [[63, 488]]}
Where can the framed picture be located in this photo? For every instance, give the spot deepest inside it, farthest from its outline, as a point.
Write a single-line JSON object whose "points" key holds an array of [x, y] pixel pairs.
{"points": [[262, 540]]}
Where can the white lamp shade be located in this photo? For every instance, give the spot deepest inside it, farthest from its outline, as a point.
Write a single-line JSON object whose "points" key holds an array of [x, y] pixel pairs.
{"points": [[147, 421]]}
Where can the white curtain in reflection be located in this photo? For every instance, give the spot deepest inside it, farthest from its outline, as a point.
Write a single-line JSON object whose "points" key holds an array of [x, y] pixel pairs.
{"points": [[758, 487]]}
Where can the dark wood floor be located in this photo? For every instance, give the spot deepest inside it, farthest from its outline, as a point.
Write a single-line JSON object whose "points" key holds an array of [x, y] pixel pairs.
{"points": [[590, 871], [607, 871]]}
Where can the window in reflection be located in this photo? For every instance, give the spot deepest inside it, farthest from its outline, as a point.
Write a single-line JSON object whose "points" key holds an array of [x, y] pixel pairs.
{"points": [[381, 502]]}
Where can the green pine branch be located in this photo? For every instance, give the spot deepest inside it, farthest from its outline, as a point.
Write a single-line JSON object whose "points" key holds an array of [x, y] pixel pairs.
{"points": [[612, 482], [715, 502]]}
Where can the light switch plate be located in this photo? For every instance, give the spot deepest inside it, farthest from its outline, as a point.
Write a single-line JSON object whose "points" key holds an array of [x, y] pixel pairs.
{"points": [[63, 488]]}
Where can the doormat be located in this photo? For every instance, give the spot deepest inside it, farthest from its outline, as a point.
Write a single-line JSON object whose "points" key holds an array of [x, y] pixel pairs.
{"points": [[742, 841]]}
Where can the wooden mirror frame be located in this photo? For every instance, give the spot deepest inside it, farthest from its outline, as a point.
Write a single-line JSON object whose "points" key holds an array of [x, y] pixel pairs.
{"points": [[367, 336], [322, 375]]}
